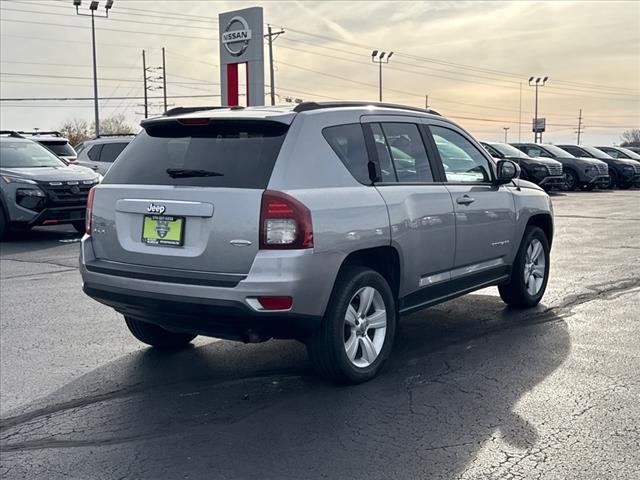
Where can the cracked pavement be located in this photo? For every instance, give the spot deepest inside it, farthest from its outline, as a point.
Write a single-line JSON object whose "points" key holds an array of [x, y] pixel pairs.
{"points": [[473, 390]]}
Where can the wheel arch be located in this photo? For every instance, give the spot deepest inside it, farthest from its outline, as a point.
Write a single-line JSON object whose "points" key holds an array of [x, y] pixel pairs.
{"points": [[544, 221], [384, 259]]}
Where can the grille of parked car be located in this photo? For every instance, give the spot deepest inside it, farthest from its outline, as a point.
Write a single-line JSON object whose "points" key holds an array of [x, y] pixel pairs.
{"points": [[554, 169], [67, 193], [603, 168]]}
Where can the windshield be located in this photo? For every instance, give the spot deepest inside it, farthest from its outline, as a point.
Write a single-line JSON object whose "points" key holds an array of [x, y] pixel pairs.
{"points": [[62, 149], [21, 154], [508, 150], [557, 151], [630, 153], [595, 152]]}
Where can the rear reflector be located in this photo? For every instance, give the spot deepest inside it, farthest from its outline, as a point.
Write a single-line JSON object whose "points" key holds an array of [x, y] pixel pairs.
{"points": [[276, 303]]}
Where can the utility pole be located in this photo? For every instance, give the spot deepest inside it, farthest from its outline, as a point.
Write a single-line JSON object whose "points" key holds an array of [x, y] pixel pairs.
{"points": [[271, 36], [93, 7], [426, 102], [579, 131], [520, 117], [144, 73], [164, 80], [506, 129], [537, 128], [380, 60]]}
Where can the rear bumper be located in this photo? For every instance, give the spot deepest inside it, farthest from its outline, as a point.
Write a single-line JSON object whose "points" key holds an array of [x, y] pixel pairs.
{"points": [[218, 318], [214, 304]]}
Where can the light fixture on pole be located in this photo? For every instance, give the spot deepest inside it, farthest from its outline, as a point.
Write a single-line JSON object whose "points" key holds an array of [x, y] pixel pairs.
{"points": [[93, 8], [380, 59], [538, 126]]}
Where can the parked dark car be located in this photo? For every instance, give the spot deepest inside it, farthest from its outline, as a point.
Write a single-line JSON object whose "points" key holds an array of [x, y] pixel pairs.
{"points": [[621, 152], [634, 149], [622, 173], [542, 171], [585, 173]]}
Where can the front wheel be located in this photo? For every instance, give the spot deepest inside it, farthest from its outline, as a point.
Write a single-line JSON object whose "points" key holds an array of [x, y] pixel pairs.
{"points": [[613, 179], [571, 180], [157, 336], [530, 271], [357, 331]]}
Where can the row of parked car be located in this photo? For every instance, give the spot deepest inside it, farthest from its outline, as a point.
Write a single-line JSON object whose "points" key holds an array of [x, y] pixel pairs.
{"points": [[570, 166]]}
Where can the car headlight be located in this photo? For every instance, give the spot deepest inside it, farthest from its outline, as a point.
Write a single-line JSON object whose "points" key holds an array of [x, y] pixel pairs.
{"points": [[628, 168], [31, 198], [14, 179], [540, 169], [590, 171]]}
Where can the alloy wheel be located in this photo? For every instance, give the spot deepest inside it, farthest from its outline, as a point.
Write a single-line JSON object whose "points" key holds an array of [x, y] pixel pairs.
{"points": [[365, 327], [534, 267]]}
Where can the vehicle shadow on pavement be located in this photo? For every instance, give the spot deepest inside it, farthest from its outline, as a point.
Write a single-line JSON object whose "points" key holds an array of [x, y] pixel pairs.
{"points": [[225, 410], [30, 241]]}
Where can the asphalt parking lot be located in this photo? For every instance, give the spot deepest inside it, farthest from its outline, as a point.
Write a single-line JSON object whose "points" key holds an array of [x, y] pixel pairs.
{"points": [[473, 389]]}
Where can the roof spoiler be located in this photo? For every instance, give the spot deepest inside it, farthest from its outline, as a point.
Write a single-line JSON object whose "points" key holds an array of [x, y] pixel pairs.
{"points": [[11, 133], [55, 133]]}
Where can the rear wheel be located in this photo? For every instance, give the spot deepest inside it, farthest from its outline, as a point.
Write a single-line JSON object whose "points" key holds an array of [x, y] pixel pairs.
{"points": [[530, 271], [357, 332], [157, 336], [571, 180], [80, 226]]}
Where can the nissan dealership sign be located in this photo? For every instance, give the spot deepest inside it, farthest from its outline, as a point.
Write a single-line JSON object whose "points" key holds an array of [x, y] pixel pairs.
{"points": [[236, 36]]}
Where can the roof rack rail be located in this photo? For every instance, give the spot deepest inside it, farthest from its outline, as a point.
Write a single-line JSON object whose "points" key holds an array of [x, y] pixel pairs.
{"points": [[106, 135], [55, 133], [182, 110], [11, 133], [308, 106]]}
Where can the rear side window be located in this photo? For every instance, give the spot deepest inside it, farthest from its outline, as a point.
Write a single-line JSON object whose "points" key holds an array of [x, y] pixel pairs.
{"points": [[408, 152], [94, 153], [110, 151], [234, 154], [347, 141]]}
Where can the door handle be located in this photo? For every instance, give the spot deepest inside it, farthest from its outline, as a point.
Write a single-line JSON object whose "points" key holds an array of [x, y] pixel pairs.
{"points": [[465, 200]]}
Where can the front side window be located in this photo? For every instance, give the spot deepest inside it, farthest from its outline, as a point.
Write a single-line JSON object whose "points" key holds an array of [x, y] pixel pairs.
{"points": [[26, 154], [347, 141], [462, 161]]}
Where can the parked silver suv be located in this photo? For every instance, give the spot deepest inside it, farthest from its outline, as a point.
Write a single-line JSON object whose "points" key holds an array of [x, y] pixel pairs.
{"points": [[323, 222]]}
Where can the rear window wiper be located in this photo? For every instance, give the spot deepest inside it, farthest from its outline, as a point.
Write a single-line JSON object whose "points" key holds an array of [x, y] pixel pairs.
{"points": [[186, 173]]}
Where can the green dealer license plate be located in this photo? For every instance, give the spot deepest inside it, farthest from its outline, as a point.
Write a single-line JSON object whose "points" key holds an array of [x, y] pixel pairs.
{"points": [[163, 230]]}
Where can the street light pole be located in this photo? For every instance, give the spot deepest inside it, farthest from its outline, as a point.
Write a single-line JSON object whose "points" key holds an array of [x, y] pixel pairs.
{"points": [[380, 59], [539, 82], [93, 7], [506, 129]]}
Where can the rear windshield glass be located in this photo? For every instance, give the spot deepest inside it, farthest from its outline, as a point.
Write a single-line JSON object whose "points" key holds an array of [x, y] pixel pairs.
{"points": [[59, 148], [234, 154]]}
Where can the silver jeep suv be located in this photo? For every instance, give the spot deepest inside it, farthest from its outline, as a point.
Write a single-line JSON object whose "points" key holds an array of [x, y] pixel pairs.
{"points": [[324, 222]]}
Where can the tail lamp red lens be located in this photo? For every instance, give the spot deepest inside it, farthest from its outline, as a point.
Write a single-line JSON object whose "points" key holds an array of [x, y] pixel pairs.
{"points": [[285, 223], [89, 211], [276, 303]]}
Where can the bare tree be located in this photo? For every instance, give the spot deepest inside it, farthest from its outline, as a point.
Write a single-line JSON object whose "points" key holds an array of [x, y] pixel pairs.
{"points": [[631, 138], [115, 125], [76, 130]]}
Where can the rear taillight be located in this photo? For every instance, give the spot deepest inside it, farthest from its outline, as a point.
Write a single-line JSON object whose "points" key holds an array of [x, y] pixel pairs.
{"points": [[89, 211], [284, 222]]}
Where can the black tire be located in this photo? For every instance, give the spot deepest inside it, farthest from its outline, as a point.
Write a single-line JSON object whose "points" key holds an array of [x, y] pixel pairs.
{"points": [[326, 346], [515, 292], [587, 187], [613, 179], [157, 336], [625, 186], [79, 226], [571, 180], [4, 225]]}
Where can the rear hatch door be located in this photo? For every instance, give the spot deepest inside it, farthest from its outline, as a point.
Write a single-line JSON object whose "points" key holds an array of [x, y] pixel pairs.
{"points": [[187, 196]]}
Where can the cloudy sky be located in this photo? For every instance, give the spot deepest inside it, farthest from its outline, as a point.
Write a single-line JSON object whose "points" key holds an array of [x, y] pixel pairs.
{"points": [[473, 59]]}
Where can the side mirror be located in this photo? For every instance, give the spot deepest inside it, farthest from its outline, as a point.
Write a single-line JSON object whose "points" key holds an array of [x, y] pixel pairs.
{"points": [[507, 171]]}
